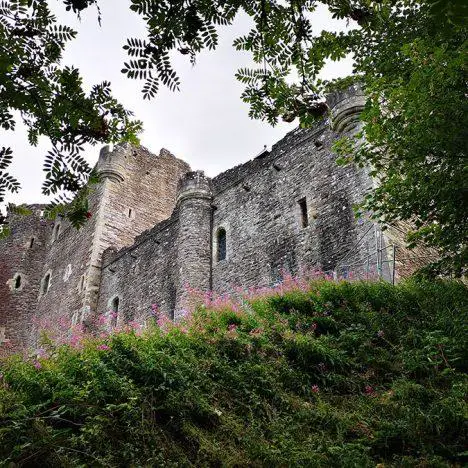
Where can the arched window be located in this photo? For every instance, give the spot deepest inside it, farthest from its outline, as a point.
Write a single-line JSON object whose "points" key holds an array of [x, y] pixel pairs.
{"points": [[18, 282], [45, 284], [221, 244]]}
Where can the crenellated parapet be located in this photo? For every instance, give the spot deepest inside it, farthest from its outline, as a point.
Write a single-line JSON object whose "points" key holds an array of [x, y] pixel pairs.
{"points": [[346, 107], [193, 184]]}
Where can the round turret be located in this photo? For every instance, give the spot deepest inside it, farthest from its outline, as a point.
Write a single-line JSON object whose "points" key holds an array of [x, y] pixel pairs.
{"points": [[346, 106], [193, 185], [194, 238], [112, 162]]}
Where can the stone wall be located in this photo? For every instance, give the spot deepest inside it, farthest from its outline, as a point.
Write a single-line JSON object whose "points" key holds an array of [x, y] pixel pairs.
{"points": [[141, 275], [157, 229], [287, 211], [290, 212]]}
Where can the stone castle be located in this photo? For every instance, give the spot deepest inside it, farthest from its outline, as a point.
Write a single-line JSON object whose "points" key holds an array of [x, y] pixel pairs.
{"points": [[156, 227]]}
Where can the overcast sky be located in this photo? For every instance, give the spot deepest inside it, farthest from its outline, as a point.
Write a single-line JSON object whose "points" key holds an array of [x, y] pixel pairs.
{"points": [[206, 123]]}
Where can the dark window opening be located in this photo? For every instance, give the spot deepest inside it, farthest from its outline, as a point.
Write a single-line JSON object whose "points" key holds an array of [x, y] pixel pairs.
{"points": [[82, 283], [46, 283], [31, 243], [18, 282], [114, 311], [129, 212], [221, 254], [303, 207]]}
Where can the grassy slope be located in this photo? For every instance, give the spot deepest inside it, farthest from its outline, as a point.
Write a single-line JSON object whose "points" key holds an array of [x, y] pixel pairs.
{"points": [[348, 374]]}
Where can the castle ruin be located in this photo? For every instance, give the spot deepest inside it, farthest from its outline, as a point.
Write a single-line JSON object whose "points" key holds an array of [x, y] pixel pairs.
{"points": [[157, 227]]}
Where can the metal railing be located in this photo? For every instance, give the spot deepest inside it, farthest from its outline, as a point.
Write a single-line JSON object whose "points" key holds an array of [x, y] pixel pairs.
{"points": [[379, 263]]}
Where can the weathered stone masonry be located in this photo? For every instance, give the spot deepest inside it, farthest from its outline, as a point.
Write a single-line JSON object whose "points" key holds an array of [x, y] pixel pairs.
{"points": [[157, 228], [288, 210]]}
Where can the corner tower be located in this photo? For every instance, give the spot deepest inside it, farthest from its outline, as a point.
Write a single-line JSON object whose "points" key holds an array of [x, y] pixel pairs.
{"points": [[22, 255], [137, 190]]}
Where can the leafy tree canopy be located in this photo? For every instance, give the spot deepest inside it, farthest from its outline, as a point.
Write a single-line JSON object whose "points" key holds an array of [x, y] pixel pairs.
{"points": [[51, 101], [409, 55]]}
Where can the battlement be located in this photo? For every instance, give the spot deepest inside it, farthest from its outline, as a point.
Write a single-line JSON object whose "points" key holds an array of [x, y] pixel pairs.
{"points": [[111, 163], [193, 185]]}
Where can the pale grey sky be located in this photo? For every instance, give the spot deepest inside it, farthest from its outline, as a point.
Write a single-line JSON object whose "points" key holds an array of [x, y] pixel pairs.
{"points": [[206, 123]]}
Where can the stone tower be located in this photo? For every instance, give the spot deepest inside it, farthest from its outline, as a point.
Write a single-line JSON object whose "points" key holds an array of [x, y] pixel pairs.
{"points": [[21, 261], [137, 190], [194, 236]]}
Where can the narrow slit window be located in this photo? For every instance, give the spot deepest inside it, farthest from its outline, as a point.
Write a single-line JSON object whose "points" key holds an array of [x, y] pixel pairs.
{"points": [[31, 243], [303, 209], [18, 282], [221, 241], [129, 212], [56, 232], [114, 311], [45, 283]]}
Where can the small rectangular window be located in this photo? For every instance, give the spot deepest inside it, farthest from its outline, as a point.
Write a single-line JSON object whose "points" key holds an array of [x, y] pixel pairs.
{"points": [[56, 233], [303, 210], [45, 284], [114, 311], [221, 240]]}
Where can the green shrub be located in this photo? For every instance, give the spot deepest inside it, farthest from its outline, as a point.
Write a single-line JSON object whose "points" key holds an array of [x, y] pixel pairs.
{"points": [[345, 375]]}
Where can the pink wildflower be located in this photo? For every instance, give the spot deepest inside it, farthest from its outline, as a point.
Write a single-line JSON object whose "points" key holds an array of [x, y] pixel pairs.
{"points": [[103, 347], [42, 353], [368, 390], [37, 364], [232, 327], [315, 389]]}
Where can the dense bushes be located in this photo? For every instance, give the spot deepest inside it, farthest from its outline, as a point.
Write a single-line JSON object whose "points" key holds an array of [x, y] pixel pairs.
{"points": [[347, 374]]}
